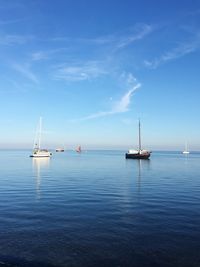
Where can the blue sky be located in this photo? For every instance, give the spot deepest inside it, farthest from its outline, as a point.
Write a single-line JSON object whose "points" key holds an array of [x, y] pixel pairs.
{"points": [[92, 68]]}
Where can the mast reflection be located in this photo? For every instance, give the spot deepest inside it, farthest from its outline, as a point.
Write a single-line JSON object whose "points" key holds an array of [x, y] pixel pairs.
{"points": [[39, 164], [138, 167]]}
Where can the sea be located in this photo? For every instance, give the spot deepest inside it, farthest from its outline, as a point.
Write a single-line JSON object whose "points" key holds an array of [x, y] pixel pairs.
{"points": [[96, 208]]}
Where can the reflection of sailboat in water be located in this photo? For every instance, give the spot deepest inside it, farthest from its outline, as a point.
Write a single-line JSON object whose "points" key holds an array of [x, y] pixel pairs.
{"points": [[39, 164], [139, 174], [142, 167], [137, 170]]}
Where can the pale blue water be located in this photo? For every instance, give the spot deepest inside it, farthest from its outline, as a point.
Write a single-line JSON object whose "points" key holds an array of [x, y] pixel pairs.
{"points": [[99, 209]]}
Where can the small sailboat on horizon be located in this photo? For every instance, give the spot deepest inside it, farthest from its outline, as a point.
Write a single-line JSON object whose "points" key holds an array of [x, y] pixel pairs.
{"points": [[60, 149], [140, 153], [186, 149], [37, 151], [78, 149]]}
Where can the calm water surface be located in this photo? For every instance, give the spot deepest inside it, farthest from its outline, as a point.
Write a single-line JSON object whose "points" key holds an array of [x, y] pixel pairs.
{"points": [[98, 209]]}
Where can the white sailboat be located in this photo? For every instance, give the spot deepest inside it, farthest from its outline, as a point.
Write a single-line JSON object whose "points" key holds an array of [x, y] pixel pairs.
{"points": [[186, 149], [37, 151]]}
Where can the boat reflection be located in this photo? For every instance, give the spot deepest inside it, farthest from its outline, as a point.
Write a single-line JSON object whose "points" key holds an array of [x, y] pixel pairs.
{"points": [[39, 164], [142, 166], [137, 168], [186, 158]]}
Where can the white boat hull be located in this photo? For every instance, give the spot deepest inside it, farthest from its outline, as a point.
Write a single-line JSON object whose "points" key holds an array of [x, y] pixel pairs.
{"points": [[41, 154]]}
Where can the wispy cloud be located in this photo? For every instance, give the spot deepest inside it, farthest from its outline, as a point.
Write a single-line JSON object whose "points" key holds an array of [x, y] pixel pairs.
{"points": [[120, 106], [80, 72], [109, 46], [40, 55], [138, 33], [178, 52], [14, 39], [117, 40], [88, 68], [123, 104], [26, 72], [98, 40], [47, 54]]}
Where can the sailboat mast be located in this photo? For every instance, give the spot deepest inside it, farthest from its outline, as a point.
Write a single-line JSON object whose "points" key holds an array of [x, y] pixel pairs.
{"points": [[139, 137], [40, 133]]}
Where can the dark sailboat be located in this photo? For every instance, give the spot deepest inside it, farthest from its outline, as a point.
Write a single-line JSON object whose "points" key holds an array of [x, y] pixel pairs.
{"points": [[140, 153]]}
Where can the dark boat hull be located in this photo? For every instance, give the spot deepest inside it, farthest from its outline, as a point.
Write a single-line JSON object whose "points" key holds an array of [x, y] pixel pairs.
{"points": [[137, 156]]}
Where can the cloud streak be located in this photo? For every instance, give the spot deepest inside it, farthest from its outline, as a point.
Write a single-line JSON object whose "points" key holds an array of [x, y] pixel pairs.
{"points": [[178, 52], [140, 31], [115, 41], [47, 54], [40, 55], [120, 106], [11, 39], [26, 72], [80, 72]]}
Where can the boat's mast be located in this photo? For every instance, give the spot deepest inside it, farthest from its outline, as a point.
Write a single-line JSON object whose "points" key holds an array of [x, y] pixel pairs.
{"points": [[139, 137], [186, 147], [40, 132]]}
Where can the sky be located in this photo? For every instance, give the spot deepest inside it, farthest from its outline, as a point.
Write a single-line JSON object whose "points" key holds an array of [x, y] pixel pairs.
{"points": [[92, 68]]}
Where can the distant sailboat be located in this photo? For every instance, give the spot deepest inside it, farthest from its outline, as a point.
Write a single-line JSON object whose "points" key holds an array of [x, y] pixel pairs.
{"points": [[78, 149], [60, 150], [140, 153], [37, 151], [186, 149]]}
